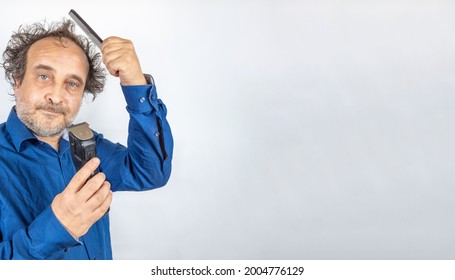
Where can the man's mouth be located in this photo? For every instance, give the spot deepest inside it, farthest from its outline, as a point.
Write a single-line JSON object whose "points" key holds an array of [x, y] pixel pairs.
{"points": [[53, 111]]}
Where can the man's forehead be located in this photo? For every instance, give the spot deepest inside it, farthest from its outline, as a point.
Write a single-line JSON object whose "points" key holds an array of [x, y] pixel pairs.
{"points": [[54, 42], [61, 49]]}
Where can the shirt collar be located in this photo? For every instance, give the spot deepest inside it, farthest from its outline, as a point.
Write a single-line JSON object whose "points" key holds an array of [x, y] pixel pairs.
{"points": [[18, 131]]}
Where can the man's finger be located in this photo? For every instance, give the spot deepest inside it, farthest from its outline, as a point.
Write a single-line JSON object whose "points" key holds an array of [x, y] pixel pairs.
{"points": [[91, 187], [103, 208], [83, 174], [99, 196]]}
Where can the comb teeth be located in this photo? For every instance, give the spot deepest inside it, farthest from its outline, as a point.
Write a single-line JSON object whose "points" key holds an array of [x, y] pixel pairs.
{"points": [[91, 34]]}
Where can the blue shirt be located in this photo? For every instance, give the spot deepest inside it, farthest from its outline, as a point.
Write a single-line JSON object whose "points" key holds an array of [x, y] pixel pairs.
{"points": [[32, 173]]}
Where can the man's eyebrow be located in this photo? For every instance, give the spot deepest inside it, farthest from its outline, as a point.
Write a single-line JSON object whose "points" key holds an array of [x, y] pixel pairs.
{"points": [[47, 67], [43, 66]]}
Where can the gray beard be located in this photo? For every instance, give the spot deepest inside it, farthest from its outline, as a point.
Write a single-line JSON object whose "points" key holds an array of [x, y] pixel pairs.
{"points": [[43, 128]]}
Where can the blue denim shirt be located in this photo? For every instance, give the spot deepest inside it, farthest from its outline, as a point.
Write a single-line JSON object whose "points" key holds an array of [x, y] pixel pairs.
{"points": [[32, 173]]}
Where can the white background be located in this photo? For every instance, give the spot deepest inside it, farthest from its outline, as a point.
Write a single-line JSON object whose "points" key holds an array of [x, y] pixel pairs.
{"points": [[303, 129]]}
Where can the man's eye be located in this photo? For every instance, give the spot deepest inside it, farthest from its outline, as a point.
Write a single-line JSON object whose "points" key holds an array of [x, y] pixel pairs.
{"points": [[73, 84], [43, 77]]}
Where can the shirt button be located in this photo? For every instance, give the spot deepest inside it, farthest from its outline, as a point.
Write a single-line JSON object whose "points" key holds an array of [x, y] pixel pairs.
{"points": [[157, 133], [153, 97], [142, 99]]}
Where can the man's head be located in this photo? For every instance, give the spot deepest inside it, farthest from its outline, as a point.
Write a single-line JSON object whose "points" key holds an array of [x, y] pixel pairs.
{"points": [[15, 55], [50, 69]]}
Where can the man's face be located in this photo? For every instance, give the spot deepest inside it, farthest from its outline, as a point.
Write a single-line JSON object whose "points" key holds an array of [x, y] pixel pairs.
{"points": [[50, 95]]}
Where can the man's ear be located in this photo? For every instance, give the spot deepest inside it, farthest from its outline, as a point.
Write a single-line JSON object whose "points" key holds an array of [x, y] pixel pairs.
{"points": [[17, 82]]}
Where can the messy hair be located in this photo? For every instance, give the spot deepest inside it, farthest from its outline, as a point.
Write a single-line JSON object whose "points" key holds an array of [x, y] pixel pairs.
{"points": [[15, 55]]}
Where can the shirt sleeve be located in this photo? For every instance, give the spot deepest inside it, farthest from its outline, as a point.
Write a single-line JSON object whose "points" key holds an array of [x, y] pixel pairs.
{"points": [[146, 161], [44, 238]]}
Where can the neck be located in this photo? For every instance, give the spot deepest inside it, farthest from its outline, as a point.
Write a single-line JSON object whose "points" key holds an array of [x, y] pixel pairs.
{"points": [[51, 140]]}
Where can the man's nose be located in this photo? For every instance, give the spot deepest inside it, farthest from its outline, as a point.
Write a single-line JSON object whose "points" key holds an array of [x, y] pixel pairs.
{"points": [[55, 94]]}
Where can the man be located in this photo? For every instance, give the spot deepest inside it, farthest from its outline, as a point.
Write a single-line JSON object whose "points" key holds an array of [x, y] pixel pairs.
{"points": [[47, 209]]}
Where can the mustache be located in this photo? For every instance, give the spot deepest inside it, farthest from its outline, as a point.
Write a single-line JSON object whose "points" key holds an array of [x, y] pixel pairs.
{"points": [[53, 108]]}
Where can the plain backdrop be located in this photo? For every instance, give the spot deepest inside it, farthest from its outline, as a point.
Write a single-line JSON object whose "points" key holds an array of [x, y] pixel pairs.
{"points": [[303, 129]]}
